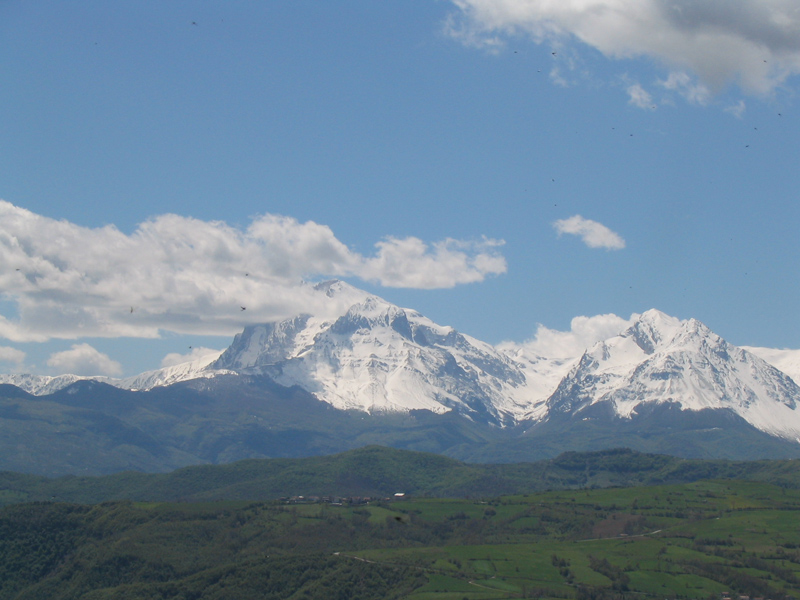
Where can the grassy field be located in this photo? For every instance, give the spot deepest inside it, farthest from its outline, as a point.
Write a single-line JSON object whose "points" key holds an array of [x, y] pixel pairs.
{"points": [[694, 540], [688, 541]]}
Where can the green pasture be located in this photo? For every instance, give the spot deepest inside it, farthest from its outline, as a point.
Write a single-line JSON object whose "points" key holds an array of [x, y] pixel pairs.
{"points": [[724, 526], [690, 541]]}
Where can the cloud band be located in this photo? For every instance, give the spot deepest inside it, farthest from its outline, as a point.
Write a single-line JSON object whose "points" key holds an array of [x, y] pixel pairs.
{"points": [[189, 276], [754, 44]]}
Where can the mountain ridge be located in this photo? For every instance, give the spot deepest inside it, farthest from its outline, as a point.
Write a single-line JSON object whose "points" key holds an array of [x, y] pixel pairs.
{"points": [[663, 359], [389, 364], [381, 471]]}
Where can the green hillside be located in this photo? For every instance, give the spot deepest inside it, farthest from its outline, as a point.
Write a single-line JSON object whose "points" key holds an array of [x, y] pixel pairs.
{"points": [[380, 471], [91, 428], [693, 540]]}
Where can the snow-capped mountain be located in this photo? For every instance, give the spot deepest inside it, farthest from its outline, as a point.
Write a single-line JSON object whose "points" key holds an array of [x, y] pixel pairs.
{"points": [[660, 359], [39, 385], [374, 357], [379, 357], [42, 385], [784, 359], [168, 375]]}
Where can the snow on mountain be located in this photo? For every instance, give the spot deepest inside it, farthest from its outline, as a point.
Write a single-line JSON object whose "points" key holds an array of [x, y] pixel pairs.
{"points": [[41, 385], [662, 359], [370, 355], [785, 360], [380, 357], [543, 376], [169, 375]]}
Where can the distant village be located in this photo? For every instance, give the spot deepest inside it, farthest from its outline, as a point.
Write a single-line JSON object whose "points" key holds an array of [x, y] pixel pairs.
{"points": [[348, 501]]}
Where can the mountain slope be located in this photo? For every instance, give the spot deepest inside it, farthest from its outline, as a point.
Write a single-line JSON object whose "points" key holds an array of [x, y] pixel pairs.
{"points": [[93, 428], [660, 360], [40, 385], [378, 357], [784, 359], [371, 372]]}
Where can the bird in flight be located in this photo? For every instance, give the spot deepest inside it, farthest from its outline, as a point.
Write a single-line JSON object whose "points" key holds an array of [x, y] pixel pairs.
{"points": [[243, 307]]}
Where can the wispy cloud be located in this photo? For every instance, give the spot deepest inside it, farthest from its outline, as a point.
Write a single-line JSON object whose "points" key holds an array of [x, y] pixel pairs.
{"points": [[754, 44], [683, 84], [83, 359], [196, 355], [184, 275], [593, 234], [737, 110], [12, 357], [639, 97]]}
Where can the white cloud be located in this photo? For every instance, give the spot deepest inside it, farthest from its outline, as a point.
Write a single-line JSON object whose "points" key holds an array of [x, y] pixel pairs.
{"points": [[737, 110], [196, 355], [184, 275], [472, 36], [583, 334], [694, 92], [410, 263], [558, 78], [593, 234], [754, 44], [639, 97], [12, 356], [82, 359]]}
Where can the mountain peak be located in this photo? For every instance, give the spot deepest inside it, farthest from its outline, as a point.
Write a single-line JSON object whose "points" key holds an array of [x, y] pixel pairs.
{"points": [[362, 352], [661, 360], [379, 357], [659, 318], [341, 293], [333, 287], [652, 329]]}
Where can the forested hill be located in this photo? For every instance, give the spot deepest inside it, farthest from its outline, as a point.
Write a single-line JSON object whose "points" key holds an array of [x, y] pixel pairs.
{"points": [[378, 471], [693, 541]]}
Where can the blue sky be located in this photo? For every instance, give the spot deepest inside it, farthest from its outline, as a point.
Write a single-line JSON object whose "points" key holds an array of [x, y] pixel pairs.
{"points": [[498, 165]]}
